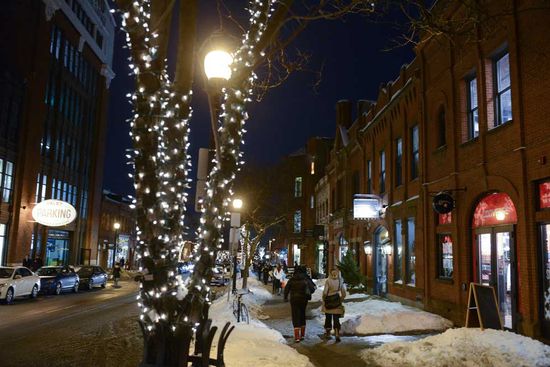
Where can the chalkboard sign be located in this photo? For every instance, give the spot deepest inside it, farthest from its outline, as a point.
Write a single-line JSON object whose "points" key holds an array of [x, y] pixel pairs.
{"points": [[483, 308]]}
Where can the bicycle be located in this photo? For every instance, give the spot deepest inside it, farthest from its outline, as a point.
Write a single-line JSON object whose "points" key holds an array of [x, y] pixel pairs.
{"points": [[240, 311]]}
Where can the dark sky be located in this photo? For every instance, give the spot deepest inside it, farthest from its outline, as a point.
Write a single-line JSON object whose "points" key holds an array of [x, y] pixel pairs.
{"points": [[355, 63]]}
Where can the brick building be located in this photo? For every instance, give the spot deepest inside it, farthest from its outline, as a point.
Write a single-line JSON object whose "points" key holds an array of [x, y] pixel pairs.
{"points": [[55, 73], [469, 120]]}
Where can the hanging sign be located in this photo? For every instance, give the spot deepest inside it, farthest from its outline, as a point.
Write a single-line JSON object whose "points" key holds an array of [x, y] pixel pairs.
{"points": [[366, 206], [443, 203], [54, 213]]}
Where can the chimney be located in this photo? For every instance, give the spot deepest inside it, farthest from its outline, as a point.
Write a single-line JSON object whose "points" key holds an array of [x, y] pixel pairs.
{"points": [[343, 113], [363, 106]]}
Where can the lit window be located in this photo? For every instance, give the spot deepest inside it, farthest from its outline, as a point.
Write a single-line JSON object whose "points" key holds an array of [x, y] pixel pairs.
{"points": [[312, 169], [445, 255], [411, 254], [311, 202], [382, 171], [297, 221], [398, 161], [398, 253], [415, 152], [298, 187], [369, 176], [503, 93], [473, 120]]}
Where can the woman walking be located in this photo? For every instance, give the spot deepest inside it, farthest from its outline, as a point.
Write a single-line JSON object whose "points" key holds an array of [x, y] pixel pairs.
{"points": [[278, 277], [333, 308], [299, 290]]}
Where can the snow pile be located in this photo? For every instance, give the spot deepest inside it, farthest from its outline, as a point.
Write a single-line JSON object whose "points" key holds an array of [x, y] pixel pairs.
{"points": [[374, 316], [463, 347], [254, 344]]}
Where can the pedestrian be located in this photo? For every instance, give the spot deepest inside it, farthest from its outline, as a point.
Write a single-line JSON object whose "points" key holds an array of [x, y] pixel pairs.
{"points": [[333, 308], [122, 263], [116, 273], [299, 290], [265, 272], [27, 261], [278, 277], [37, 263]]}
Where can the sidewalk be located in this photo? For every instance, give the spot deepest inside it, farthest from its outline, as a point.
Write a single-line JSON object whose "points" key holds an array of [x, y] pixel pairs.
{"points": [[322, 352]]}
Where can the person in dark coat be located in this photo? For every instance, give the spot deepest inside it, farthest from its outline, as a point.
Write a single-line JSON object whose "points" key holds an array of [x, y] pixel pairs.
{"points": [[116, 273], [265, 272], [300, 292], [27, 262], [37, 263]]}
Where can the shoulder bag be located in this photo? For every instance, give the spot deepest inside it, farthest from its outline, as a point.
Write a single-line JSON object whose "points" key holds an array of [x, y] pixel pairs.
{"points": [[333, 301]]}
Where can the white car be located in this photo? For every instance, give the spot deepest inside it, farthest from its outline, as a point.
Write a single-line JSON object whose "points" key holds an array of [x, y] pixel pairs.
{"points": [[18, 281]]}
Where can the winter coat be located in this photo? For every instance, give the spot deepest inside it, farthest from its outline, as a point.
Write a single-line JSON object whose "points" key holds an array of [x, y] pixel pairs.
{"points": [[116, 271], [296, 288], [331, 287], [278, 274]]}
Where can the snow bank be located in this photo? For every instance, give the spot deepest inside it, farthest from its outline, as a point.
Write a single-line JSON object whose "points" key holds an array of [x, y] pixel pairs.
{"points": [[374, 316], [463, 347], [254, 344]]}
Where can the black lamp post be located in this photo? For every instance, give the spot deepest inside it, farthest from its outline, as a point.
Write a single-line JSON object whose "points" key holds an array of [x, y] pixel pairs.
{"points": [[116, 226]]}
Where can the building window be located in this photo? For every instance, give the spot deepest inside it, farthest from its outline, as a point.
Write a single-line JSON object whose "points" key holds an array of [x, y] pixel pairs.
{"points": [[382, 171], [3, 242], [398, 161], [311, 202], [411, 254], [398, 253], [6, 179], [445, 250], [298, 221], [473, 120], [503, 93], [441, 128], [544, 195], [298, 187], [312, 168], [369, 176], [415, 152]]}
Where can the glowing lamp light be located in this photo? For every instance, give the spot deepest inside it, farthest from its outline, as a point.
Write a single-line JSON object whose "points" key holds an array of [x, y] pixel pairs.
{"points": [[216, 65], [387, 249], [116, 226], [367, 247], [500, 215], [237, 203]]}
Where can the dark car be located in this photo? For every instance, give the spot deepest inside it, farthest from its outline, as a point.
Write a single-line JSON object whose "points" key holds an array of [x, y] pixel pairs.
{"points": [[55, 279], [92, 276]]}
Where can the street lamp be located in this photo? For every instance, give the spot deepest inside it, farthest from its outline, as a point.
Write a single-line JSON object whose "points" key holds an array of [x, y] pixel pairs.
{"points": [[218, 71], [234, 237], [116, 226]]}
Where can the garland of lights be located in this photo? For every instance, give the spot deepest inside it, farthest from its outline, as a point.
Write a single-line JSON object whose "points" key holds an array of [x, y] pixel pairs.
{"points": [[161, 124]]}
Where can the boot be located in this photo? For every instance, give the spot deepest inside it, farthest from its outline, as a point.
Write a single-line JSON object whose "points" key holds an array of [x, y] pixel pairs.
{"points": [[297, 334], [337, 334], [303, 331], [327, 334]]}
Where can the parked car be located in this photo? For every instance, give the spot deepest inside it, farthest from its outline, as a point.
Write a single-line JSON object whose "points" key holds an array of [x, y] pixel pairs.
{"points": [[92, 276], [55, 279], [16, 282]]}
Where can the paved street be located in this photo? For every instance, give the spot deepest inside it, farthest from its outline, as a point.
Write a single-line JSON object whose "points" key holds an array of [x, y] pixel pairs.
{"points": [[96, 328]]}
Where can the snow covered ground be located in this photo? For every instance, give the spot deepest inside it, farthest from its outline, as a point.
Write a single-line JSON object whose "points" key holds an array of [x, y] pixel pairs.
{"points": [[254, 344], [463, 347], [376, 316]]}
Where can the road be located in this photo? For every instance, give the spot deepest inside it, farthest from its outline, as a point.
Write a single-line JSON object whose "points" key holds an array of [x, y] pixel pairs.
{"points": [[96, 328]]}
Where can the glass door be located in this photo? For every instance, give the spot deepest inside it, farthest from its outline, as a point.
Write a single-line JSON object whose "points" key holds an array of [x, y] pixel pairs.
{"points": [[495, 254], [380, 262], [544, 233]]}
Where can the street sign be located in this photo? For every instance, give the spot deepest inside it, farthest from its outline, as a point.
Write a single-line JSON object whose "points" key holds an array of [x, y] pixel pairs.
{"points": [[366, 206], [443, 203], [54, 213]]}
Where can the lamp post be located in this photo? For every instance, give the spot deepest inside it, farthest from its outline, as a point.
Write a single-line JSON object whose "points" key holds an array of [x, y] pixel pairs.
{"points": [[234, 238], [116, 226], [367, 247]]}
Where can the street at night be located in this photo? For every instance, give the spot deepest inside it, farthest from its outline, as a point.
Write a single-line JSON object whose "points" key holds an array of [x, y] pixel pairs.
{"points": [[268, 183]]}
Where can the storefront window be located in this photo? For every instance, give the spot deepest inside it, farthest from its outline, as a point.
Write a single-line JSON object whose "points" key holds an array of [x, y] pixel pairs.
{"points": [[398, 253], [2, 242], [544, 195], [411, 255], [57, 247], [445, 256], [343, 247], [545, 244], [296, 253]]}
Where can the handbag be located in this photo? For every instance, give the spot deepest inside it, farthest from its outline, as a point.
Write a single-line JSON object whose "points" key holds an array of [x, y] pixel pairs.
{"points": [[333, 301], [308, 292]]}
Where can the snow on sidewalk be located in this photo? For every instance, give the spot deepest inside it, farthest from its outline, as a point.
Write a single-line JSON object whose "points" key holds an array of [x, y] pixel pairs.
{"points": [[254, 344], [376, 316], [463, 347]]}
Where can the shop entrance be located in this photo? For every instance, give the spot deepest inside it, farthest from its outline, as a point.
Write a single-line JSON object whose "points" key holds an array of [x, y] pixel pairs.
{"points": [[57, 247], [544, 233], [380, 261], [493, 223]]}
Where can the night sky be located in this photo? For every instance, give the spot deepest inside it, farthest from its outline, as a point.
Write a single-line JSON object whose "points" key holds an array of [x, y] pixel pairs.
{"points": [[356, 55]]}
